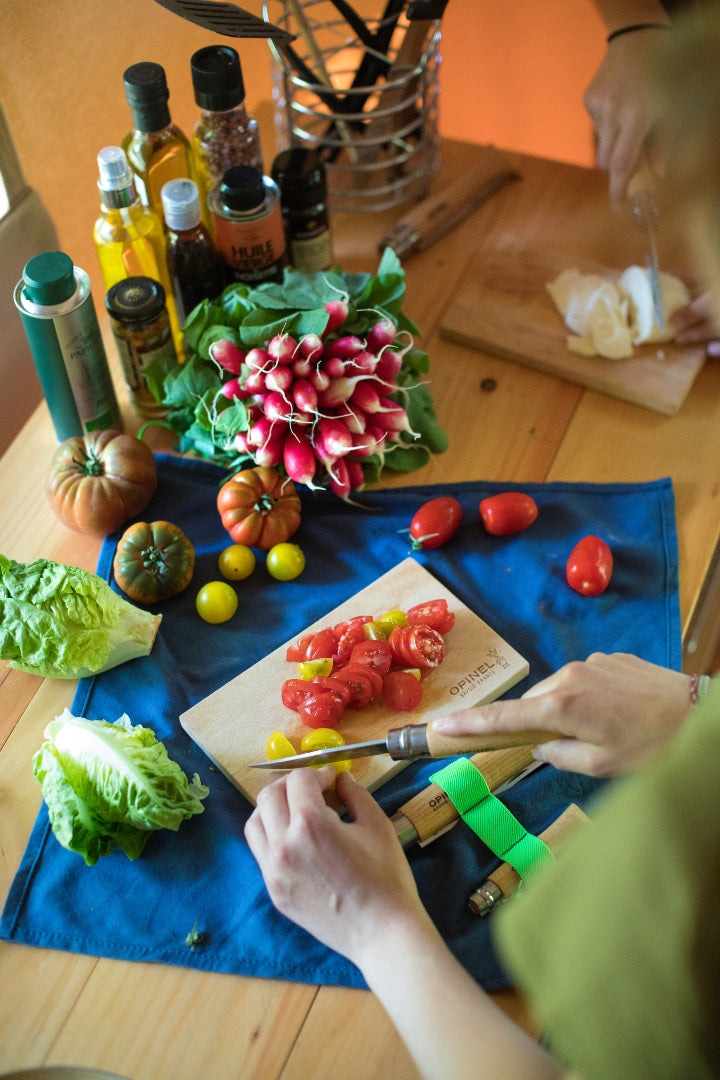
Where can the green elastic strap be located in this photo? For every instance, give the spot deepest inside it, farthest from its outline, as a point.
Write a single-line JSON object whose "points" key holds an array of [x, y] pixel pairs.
{"points": [[491, 820]]}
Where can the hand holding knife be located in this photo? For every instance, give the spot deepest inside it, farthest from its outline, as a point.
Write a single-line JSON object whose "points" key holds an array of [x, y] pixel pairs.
{"points": [[643, 202]]}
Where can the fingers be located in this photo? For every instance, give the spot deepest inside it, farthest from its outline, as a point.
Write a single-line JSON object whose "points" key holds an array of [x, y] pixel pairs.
{"points": [[571, 755]]}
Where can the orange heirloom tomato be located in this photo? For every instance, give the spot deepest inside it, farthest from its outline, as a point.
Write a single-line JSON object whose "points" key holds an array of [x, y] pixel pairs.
{"points": [[98, 481], [259, 507], [153, 561]]}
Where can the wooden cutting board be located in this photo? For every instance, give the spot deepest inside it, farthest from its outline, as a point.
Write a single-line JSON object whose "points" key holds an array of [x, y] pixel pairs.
{"points": [[504, 309], [233, 724]]}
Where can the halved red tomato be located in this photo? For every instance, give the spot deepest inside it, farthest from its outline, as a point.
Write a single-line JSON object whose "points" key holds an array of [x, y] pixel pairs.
{"points": [[321, 709], [417, 646], [434, 613], [359, 679], [376, 653], [349, 634], [401, 690], [294, 692]]}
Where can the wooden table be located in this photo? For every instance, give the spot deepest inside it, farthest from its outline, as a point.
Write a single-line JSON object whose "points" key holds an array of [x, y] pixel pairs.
{"points": [[506, 423]]}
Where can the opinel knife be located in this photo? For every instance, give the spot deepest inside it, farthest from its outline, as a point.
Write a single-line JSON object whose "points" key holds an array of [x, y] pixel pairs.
{"points": [[410, 742], [641, 193]]}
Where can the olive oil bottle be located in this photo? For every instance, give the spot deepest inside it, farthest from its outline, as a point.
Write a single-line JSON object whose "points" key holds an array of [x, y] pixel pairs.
{"points": [[129, 237]]}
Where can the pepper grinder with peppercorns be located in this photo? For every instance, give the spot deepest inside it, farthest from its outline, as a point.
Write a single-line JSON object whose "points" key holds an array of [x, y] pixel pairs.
{"points": [[224, 135]]}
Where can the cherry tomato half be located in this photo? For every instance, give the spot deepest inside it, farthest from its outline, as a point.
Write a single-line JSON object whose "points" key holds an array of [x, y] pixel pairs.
{"points": [[508, 512], [324, 739], [376, 653], [417, 646], [360, 681], [435, 522], [401, 690], [433, 613], [279, 746], [590, 566]]}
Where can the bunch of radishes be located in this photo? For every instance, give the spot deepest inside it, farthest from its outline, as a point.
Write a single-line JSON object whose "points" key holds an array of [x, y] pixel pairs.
{"points": [[318, 405]]}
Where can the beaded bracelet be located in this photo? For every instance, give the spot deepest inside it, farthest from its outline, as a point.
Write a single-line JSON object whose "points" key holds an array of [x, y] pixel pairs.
{"points": [[699, 685], [637, 26]]}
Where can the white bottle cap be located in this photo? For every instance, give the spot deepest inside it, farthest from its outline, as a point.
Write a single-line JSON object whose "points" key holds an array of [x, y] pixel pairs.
{"points": [[115, 172], [181, 204]]}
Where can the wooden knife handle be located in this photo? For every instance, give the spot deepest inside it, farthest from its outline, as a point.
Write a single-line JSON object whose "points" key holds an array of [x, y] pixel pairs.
{"points": [[446, 745], [430, 811]]}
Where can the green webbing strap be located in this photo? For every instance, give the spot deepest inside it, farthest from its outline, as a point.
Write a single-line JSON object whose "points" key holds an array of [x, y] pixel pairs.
{"points": [[490, 819]]}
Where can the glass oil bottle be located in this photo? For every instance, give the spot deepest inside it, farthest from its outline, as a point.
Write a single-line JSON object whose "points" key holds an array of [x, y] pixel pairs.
{"points": [[196, 268]]}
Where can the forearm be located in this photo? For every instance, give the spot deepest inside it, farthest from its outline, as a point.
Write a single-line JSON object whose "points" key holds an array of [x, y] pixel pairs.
{"points": [[618, 13], [450, 1026]]}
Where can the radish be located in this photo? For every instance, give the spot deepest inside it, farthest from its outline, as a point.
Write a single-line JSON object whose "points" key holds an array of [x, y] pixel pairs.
{"points": [[298, 458], [319, 379], [261, 431], [336, 437], [277, 407], [356, 474], [301, 367], [366, 397], [355, 418], [228, 355], [389, 365], [394, 418], [259, 360], [280, 378], [338, 311], [311, 347], [340, 479], [364, 362], [282, 348], [233, 388], [338, 391], [305, 396], [270, 454], [334, 367], [255, 382], [382, 334], [344, 347]]}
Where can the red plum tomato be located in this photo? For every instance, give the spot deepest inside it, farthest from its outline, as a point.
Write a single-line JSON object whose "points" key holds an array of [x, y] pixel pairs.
{"points": [[508, 512], [590, 566], [435, 522]]}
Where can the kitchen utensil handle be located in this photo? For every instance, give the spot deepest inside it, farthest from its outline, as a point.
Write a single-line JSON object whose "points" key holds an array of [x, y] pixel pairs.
{"points": [[643, 180], [507, 880], [446, 745], [430, 811]]}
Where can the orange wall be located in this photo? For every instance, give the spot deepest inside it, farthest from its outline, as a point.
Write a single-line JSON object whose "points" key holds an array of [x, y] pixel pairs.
{"points": [[513, 74]]}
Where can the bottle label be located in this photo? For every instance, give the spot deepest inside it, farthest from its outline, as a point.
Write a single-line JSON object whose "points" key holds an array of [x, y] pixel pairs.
{"points": [[254, 250], [313, 253], [81, 344]]}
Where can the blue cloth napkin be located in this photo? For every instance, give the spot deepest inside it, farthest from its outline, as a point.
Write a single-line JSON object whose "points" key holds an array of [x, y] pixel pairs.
{"points": [[204, 876]]}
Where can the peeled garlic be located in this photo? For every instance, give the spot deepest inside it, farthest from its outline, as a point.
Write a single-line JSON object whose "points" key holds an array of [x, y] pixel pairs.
{"points": [[607, 318]]}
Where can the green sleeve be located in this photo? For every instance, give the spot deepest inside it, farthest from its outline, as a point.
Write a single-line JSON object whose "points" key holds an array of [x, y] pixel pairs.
{"points": [[617, 945]]}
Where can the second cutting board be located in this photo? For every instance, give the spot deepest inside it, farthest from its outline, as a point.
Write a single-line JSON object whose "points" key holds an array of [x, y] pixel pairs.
{"points": [[504, 309]]}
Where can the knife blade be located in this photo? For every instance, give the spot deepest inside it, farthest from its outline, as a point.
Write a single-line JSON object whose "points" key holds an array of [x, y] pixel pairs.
{"points": [[410, 742], [643, 202]]}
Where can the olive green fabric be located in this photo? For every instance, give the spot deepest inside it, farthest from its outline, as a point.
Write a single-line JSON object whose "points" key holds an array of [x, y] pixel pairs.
{"points": [[617, 944]]}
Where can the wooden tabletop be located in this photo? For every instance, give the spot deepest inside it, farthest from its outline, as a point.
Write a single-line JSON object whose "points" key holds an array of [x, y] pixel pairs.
{"points": [[506, 423]]}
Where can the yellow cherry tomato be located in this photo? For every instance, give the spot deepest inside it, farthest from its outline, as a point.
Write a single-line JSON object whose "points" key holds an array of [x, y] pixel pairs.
{"points": [[236, 562], [285, 561], [308, 669], [279, 746], [324, 739], [216, 602], [394, 617]]}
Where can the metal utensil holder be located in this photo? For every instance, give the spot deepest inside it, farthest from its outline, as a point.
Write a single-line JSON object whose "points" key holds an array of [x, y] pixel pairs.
{"points": [[380, 142]]}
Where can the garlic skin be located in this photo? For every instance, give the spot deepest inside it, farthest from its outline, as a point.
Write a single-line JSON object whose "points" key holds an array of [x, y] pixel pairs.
{"points": [[608, 318]]}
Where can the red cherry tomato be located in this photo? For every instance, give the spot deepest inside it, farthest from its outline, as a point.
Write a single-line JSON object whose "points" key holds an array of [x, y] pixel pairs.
{"points": [[417, 646], [435, 522], [294, 692], [349, 634], [374, 652], [359, 680], [401, 690], [321, 709], [590, 566], [433, 613], [508, 512]]}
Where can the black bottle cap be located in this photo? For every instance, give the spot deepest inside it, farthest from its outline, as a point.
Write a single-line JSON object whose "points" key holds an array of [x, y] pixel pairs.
{"points": [[135, 299], [242, 188], [147, 94], [300, 175], [217, 78]]}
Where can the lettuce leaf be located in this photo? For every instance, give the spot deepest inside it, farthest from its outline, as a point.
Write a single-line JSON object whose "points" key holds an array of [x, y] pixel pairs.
{"points": [[62, 622], [109, 786]]}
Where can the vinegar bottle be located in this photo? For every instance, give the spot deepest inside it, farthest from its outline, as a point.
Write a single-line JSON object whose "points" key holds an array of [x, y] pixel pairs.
{"points": [[156, 148], [197, 270], [129, 237]]}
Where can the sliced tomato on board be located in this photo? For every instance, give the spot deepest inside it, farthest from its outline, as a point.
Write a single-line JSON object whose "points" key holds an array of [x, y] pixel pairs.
{"points": [[434, 613], [349, 634], [360, 680], [375, 652], [417, 646], [401, 690], [294, 692], [321, 709]]}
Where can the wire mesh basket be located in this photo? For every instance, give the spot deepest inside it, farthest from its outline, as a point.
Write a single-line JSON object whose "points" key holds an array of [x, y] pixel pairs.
{"points": [[373, 114]]}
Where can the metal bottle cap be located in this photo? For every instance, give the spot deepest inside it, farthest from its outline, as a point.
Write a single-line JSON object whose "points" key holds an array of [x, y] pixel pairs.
{"points": [[135, 299]]}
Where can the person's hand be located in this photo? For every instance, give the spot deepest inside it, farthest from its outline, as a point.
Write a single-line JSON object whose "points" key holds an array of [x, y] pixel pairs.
{"points": [[695, 324], [610, 713], [623, 111], [339, 880]]}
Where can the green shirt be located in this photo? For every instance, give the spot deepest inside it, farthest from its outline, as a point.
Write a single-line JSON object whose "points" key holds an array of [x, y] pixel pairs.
{"points": [[617, 945]]}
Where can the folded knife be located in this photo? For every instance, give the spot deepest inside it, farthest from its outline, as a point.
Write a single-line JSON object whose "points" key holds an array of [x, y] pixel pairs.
{"points": [[641, 193], [410, 742]]}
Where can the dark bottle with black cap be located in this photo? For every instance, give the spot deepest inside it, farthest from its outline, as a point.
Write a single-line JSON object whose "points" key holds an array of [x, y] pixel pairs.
{"points": [[247, 223], [224, 135], [300, 175], [156, 149]]}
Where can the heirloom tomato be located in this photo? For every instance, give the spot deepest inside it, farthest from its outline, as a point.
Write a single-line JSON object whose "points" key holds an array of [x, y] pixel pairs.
{"points": [[98, 481], [508, 512], [590, 566], [435, 522], [153, 561], [259, 507]]}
